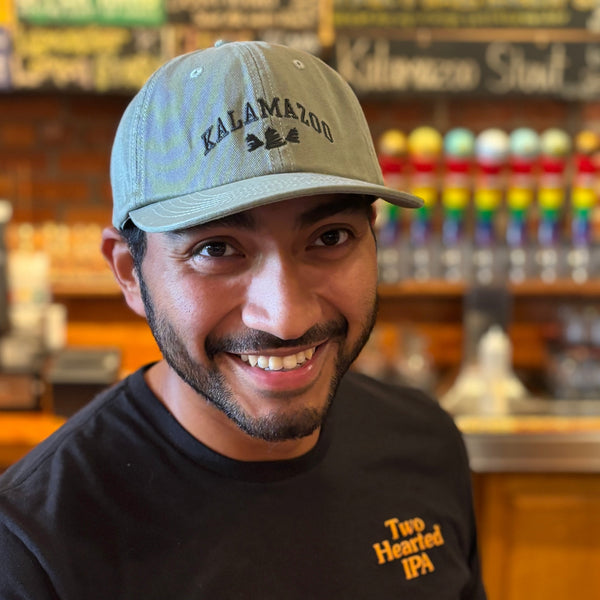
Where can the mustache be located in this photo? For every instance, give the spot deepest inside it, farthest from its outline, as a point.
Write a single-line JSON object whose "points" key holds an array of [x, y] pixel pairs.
{"points": [[255, 341]]}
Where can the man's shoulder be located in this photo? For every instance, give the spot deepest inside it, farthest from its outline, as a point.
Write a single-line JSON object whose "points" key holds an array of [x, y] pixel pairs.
{"points": [[395, 400], [79, 438], [397, 415]]}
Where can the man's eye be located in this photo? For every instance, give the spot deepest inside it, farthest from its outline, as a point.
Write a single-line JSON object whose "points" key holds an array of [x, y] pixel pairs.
{"points": [[214, 249], [335, 237]]}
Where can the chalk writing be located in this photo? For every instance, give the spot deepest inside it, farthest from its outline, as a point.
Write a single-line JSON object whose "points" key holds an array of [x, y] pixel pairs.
{"points": [[40, 41], [89, 58], [515, 72], [562, 70], [463, 13], [378, 66], [254, 14]]}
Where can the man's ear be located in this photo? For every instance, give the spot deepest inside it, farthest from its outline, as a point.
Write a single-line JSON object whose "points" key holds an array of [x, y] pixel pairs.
{"points": [[373, 213], [116, 252]]}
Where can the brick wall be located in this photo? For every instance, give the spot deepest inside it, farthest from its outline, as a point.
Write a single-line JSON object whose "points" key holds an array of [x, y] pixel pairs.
{"points": [[55, 148], [54, 155]]}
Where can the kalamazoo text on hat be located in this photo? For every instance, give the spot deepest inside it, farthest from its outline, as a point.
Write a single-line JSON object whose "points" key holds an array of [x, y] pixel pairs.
{"points": [[291, 110]]}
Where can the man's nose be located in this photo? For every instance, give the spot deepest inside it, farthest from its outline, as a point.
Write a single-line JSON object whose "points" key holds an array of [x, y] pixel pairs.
{"points": [[282, 299]]}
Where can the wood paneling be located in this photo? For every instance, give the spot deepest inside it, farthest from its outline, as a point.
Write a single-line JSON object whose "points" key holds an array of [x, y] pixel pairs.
{"points": [[539, 535]]}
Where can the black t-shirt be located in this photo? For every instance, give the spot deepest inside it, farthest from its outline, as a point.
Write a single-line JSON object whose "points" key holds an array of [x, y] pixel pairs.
{"points": [[123, 503]]}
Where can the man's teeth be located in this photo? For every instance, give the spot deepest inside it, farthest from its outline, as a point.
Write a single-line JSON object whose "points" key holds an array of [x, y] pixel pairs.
{"points": [[278, 363]]}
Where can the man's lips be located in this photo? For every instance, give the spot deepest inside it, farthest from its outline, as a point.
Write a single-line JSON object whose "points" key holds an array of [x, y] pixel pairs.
{"points": [[259, 343], [270, 362]]}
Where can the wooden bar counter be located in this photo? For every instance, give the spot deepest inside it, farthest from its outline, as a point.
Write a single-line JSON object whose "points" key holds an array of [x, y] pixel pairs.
{"points": [[22, 431], [536, 480]]}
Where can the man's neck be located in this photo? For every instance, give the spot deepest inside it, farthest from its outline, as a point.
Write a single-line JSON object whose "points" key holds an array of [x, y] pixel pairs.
{"points": [[212, 427]]}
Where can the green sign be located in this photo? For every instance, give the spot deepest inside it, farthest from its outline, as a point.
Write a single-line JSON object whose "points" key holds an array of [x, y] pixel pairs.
{"points": [[85, 12]]}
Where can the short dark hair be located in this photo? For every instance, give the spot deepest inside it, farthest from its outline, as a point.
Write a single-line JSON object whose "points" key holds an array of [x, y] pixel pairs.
{"points": [[136, 242]]}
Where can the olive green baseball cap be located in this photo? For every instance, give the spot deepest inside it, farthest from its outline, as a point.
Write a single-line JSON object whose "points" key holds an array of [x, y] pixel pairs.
{"points": [[240, 125]]}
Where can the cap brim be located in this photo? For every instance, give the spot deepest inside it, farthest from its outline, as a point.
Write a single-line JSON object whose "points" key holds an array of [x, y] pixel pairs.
{"points": [[202, 207]]}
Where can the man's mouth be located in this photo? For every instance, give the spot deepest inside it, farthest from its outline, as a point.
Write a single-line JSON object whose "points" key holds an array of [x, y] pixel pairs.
{"points": [[278, 363]]}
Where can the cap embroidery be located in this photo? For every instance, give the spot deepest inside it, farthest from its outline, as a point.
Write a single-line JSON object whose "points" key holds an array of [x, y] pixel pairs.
{"points": [[273, 139], [293, 136], [240, 118]]}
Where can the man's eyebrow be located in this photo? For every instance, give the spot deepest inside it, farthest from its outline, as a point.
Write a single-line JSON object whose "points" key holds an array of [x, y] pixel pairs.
{"points": [[243, 220], [341, 204]]}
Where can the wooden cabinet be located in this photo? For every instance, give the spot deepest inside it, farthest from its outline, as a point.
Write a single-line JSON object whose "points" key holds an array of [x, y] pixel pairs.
{"points": [[536, 484], [21, 431], [539, 535]]}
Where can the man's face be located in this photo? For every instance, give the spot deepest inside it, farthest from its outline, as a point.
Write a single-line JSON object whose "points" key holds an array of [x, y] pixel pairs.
{"points": [[262, 313]]}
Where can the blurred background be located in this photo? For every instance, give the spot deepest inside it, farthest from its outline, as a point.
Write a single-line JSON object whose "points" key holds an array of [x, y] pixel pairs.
{"points": [[489, 295]]}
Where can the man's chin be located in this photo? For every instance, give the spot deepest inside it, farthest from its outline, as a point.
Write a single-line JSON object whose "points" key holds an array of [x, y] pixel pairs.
{"points": [[282, 427], [278, 415]]}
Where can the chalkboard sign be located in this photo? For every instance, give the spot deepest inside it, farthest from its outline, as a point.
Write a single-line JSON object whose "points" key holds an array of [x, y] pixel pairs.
{"points": [[90, 58], [288, 15], [294, 23], [378, 66], [411, 14], [378, 45], [483, 47], [114, 45]]}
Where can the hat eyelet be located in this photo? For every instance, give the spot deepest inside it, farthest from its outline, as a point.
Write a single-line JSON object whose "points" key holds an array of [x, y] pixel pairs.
{"points": [[298, 63], [196, 73]]}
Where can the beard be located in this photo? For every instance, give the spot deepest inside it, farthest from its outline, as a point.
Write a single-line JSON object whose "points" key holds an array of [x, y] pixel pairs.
{"points": [[211, 384]]}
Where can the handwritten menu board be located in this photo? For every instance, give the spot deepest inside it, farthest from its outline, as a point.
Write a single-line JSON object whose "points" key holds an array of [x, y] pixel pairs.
{"points": [[491, 47], [114, 45], [84, 58], [564, 70], [465, 13], [474, 47], [296, 23], [239, 14]]}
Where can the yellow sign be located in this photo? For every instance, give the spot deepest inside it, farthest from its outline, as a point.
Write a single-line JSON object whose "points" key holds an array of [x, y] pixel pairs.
{"points": [[7, 13]]}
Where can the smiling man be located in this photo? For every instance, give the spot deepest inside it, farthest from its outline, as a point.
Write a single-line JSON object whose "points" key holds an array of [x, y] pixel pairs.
{"points": [[257, 316], [249, 462]]}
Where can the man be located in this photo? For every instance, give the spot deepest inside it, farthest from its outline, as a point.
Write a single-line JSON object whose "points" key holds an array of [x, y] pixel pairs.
{"points": [[246, 463]]}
